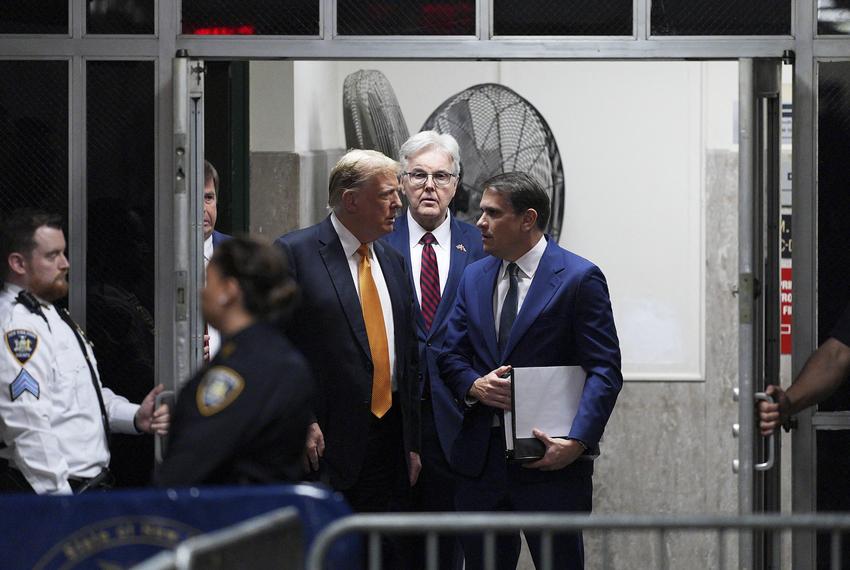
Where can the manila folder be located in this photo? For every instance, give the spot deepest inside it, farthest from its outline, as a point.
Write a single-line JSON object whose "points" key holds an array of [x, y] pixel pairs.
{"points": [[546, 398]]}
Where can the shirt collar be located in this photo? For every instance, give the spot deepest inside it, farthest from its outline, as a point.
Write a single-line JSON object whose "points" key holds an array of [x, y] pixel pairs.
{"points": [[208, 248], [349, 242], [530, 260], [442, 233], [13, 290]]}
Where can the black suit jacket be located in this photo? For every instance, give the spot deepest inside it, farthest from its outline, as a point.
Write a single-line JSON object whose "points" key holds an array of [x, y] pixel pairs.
{"points": [[328, 328], [465, 248]]}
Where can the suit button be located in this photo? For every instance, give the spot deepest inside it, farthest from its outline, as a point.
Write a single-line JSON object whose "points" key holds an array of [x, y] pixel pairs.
{"points": [[428, 344]]}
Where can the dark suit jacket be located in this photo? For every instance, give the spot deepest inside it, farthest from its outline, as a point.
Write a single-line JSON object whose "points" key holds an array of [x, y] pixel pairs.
{"points": [[328, 328], [565, 320], [218, 238], [465, 248]]}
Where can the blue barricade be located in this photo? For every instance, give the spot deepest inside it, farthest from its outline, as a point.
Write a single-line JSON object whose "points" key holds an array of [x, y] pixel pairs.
{"points": [[120, 528]]}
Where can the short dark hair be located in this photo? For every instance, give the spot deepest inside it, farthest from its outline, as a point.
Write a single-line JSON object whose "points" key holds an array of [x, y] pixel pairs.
{"points": [[523, 193], [17, 234], [262, 272], [211, 175]]}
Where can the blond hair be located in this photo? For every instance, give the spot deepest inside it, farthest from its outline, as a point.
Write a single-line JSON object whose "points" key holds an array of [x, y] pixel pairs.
{"points": [[356, 168]]}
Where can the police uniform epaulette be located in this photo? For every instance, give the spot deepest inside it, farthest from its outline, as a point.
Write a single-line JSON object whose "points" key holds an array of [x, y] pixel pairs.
{"points": [[29, 301]]}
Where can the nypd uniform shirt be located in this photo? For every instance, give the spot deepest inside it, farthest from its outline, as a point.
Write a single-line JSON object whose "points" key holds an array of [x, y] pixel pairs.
{"points": [[50, 418], [243, 418]]}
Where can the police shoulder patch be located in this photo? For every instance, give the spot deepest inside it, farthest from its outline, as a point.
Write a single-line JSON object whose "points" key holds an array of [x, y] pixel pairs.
{"points": [[24, 383], [22, 344], [219, 387]]}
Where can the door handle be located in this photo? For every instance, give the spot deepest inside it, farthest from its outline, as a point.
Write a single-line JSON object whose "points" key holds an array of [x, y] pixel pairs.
{"points": [[767, 465]]}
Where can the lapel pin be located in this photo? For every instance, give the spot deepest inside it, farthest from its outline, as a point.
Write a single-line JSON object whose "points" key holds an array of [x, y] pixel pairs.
{"points": [[460, 247]]}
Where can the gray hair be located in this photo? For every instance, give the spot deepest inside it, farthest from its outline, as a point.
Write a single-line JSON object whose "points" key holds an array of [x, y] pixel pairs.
{"points": [[424, 139]]}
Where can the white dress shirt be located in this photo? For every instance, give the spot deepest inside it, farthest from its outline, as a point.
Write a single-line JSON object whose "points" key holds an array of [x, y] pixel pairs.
{"points": [[59, 434], [215, 336], [527, 268], [349, 247], [442, 248]]}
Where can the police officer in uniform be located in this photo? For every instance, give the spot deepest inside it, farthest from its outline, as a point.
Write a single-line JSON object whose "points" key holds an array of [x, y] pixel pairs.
{"points": [[243, 418], [55, 416]]}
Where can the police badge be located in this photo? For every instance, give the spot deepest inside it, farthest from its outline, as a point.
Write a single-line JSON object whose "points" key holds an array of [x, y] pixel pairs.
{"points": [[219, 387], [22, 344]]}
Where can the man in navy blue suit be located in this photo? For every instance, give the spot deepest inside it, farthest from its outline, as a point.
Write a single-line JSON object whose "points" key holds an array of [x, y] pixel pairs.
{"points": [[354, 323], [437, 248], [532, 304], [212, 239]]}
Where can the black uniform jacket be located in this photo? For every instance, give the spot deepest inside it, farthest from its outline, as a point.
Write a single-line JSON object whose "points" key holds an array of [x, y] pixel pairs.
{"points": [[243, 418]]}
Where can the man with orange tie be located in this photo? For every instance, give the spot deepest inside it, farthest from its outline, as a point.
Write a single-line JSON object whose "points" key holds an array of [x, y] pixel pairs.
{"points": [[355, 326]]}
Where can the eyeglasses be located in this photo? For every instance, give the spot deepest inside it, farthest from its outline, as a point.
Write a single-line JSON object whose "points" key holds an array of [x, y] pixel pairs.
{"points": [[418, 178]]}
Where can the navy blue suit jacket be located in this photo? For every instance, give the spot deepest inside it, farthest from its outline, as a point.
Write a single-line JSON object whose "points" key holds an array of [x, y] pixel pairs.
{"points": [[327, 327], [565, 320], [465, 249], [219, 238]]}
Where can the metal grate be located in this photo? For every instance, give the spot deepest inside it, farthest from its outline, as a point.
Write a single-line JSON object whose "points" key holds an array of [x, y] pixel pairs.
{"points": [[251, 17], [405, 17], [833, 17], [659, 537], [120, 17], [120, 269], [721, 18], [499, 131], [562, 17], [34, 131], [28, 17]]}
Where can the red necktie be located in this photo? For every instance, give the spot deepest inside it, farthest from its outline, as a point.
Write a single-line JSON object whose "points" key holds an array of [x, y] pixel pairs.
{"points": [[429, 280]]}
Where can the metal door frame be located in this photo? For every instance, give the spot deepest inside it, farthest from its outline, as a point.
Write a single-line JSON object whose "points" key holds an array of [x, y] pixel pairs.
{"points": [[76, 47]]}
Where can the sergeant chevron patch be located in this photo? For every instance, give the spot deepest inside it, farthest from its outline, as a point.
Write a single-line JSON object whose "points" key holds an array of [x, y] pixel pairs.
{"points": [[24, 383], [22, 344], [219, 387]]}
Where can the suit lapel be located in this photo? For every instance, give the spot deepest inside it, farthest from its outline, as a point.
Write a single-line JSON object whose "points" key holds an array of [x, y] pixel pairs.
{"points": [[330, 249], [485, 306], [401, 242], [459, 259], [396, 288], [546, 281]]}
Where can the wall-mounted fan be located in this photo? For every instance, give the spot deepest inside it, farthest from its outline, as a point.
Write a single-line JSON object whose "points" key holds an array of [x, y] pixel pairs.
{"points": [[371, 113]]}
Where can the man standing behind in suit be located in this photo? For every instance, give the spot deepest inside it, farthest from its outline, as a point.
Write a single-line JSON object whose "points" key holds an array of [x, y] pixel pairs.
{"points": [[212, 239], [355, 326], [531, 304], [436, 247]]}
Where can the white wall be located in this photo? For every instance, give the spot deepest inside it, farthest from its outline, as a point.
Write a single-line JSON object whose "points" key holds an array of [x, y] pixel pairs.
{"points": [[633, 138], [272, 105]]}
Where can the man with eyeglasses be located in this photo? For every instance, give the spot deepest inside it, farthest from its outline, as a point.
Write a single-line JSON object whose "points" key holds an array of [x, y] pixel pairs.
{"points": [[437, 248]]}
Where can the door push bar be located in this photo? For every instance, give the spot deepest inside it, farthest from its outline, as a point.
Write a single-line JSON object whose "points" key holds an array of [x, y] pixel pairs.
{"points": [[736, 429]]}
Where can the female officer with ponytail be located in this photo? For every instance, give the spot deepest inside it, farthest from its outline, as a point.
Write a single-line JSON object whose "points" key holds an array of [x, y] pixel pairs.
{"points": [[243, 418]]}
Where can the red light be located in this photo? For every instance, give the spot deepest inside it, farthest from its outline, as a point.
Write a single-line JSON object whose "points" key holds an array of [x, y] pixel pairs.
{"points": [[243, 30]]}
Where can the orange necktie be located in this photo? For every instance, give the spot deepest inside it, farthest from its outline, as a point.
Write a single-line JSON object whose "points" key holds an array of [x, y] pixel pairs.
{"points": [[373, 316]]}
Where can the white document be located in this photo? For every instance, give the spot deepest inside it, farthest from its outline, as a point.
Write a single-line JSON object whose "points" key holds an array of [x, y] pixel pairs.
{"points": [[546, 398]]}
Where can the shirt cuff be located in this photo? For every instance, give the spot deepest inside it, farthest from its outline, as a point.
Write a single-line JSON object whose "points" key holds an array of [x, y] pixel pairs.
{"points": [[121, 418]]}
